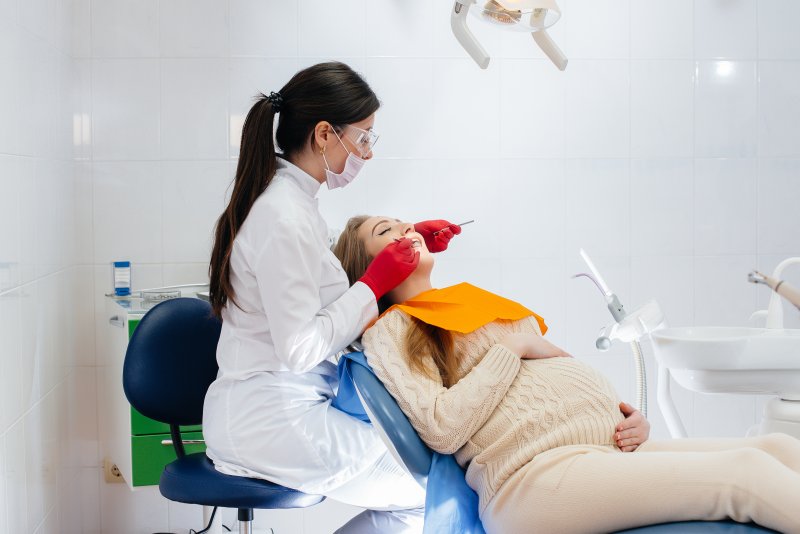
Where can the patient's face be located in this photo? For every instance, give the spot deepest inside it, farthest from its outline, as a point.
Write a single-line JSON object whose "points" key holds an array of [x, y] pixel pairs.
{"points": [[378, 232]]}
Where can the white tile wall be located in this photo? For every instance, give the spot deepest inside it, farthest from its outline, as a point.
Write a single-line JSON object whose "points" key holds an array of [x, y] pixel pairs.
{"points": [[193, 28], [667, 149], [10, 65], [399, 30], [778, 220], [532, 109], [39, 18], [778, 123], [16, 479], [662, 215], [129, 132], [194, 91], [586, 17], [661, 106], [47, 427], [329, 29], [598, 109], [193, 197], [81, 35], [776, 36], [725, 29], [723, 298], [465, 107], [248, 77], [131, 229], [124, 28], [263, 29], [725, 108], [725, 206], [597, 206], [660, 30], [10, 356], [10, 231], [537, 198], [405, 86], [3, 478]]}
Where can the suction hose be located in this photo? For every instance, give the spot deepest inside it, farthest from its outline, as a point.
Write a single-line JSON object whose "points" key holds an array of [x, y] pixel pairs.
{"points": [[641, 377]]}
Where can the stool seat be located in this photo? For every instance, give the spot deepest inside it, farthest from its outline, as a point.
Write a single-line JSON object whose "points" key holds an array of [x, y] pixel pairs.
{"points": [[700, 527], [170, 363], [193, 480]]}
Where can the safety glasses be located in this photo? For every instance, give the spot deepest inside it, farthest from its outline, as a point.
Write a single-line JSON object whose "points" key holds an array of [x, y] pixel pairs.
{"points": [[363, 140]]}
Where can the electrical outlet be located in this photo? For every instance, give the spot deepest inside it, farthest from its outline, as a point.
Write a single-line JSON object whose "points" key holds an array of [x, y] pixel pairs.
{"points": [[111, 472]]}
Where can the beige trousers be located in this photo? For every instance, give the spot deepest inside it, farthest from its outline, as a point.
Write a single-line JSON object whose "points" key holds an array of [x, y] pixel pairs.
{"points": [[592, 489]]}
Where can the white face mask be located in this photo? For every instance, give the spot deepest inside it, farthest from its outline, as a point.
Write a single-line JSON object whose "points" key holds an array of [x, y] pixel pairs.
{"points": [[352, 165]]}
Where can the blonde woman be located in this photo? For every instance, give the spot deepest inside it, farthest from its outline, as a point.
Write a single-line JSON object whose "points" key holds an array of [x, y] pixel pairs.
{"points": [[539, 432]]}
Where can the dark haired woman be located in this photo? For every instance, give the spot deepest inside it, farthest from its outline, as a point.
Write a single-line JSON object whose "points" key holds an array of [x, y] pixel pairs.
{"points": [[287, 305]]}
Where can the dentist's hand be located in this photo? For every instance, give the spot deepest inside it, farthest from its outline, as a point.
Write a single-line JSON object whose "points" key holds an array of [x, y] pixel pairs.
{"points": [[390, 267], [633, 431], [443, 230]]}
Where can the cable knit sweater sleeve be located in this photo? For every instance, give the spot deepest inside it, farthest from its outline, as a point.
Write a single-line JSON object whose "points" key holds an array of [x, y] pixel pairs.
{"points": [[445, 418]]}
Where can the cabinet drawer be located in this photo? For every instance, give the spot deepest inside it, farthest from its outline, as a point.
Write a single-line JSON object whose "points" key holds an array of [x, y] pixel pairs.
{"points": [[141, 425], [150, 456]]}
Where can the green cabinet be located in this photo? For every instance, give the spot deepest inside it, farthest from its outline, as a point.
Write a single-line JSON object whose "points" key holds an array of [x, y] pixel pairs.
{"points": [[152, 453], [139, 446], [151, 441]]}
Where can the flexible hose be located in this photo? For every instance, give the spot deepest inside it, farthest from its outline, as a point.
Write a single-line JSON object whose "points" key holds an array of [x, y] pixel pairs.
{"points": [[641, 377]]}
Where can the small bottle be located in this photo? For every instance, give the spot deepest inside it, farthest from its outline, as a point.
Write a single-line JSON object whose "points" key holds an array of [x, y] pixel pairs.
{"points": [[122, 278]]}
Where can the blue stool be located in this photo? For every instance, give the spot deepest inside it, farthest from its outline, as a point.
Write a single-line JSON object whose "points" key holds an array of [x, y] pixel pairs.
{"points": [[170, 363], [412, 453]]}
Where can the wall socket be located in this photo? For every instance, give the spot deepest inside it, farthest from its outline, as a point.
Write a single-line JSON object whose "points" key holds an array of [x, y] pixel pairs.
{"points": [[111, 472]]}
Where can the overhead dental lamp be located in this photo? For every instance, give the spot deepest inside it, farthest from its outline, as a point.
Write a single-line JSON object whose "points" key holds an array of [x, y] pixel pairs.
{"points": [[533, 16]]}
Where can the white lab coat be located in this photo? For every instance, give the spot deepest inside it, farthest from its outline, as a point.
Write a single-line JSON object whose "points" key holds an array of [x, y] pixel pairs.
{"points": [[268, 413]]}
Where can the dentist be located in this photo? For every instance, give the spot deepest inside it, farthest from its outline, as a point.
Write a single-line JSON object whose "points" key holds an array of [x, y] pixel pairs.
{"points": [[287, 307]]}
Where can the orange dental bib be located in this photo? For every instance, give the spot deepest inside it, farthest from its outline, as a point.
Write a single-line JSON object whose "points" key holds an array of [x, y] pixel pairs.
{"points": [[464, 308]]}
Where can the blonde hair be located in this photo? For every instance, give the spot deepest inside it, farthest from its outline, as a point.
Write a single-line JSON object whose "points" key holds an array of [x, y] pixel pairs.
{"points": [[424, 342]]}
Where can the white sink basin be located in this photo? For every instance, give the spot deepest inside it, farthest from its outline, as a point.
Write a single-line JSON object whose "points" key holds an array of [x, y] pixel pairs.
{"points": [[732, 360]]}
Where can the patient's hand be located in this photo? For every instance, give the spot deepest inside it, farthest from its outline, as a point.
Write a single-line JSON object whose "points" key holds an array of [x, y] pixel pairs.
{"points": [[531, 346], [633, 431]]}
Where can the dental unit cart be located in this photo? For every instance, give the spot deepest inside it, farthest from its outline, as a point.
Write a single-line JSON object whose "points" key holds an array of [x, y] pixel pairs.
{"points": [[138, 446]]}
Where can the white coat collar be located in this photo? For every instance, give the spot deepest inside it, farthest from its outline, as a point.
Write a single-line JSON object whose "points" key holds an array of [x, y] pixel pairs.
{"points": [[305, 181]]}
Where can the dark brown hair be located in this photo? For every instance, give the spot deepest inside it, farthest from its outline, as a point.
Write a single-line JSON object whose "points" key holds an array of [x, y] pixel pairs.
{"points": [[424, 343], [331, 92]]}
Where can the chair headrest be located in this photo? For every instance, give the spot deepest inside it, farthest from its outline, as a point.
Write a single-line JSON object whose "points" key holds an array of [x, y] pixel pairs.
{"points": [[171, 360]]}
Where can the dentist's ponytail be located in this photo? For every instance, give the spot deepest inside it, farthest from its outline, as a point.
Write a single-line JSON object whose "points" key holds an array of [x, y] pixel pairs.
{"points": [[331, 92], [257, 165]]}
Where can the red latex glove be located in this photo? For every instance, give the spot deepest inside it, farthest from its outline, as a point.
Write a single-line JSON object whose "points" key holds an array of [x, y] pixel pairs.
{"points": [[444, 233], [390, 267]]}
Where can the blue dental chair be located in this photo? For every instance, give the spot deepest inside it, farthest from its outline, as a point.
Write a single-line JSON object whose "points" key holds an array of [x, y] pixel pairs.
{"points": [[412, 453], [170, 363]]}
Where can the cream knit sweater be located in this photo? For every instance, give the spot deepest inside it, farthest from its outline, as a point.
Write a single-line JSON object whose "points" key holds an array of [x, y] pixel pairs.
{"points": [[503, 411]]}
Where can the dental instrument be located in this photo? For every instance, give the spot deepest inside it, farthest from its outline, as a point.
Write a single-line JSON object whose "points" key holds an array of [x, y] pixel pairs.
{"points": [[779, 287], [628, 327], [459, 224], [153, 291], [533, 16]]}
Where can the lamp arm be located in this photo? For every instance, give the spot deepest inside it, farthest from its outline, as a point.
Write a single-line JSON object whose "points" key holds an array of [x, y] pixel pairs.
{"points": [[550, 49], [458, 23]]}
